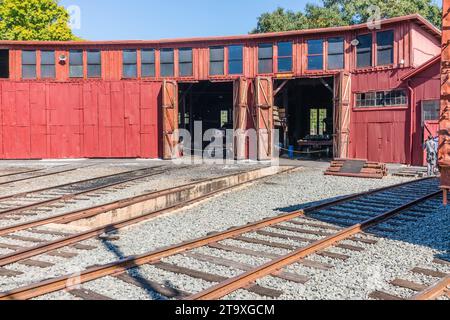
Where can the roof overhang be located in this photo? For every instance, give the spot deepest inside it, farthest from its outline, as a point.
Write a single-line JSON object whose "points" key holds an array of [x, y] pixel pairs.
{"points": [[422, 68]]}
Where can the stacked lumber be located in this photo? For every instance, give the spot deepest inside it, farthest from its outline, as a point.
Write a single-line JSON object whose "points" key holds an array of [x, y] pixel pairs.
{"points": [[357, 169], [279, 114], [412, 172]]}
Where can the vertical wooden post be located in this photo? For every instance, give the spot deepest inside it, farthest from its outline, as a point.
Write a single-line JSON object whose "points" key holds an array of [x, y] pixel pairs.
{"points": [[444, 124]]}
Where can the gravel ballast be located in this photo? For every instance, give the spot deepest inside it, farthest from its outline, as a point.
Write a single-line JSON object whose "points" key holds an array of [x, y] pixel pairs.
{"points": [[364, 272]]}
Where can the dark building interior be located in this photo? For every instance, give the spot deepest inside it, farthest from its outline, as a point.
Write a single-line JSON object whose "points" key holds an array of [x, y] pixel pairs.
{"points": [[304, 114]]}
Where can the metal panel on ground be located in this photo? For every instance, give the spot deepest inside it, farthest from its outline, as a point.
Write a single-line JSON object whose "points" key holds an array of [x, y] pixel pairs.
{"points": [[264, 117], [342, 114], [169, 118], [240, 103]]}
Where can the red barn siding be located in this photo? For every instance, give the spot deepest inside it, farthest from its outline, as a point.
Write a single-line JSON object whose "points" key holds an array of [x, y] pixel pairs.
{"points": [[426, 86], [113, 117], [380, 134], [77, 120]]}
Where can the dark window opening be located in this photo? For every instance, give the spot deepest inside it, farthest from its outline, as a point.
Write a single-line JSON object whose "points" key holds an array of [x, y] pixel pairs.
{"points": [[76, 69], [379, 99], [265, 58], [29, 64], [364, 51], [431, 110], [167, 63], [385, 48], [335, 53], [148, 63], [235, 59], [284, 56], [185, 62], [48, 70], [4, 64], [315, 54], [94, 64], [216, 61], [129, 64]]}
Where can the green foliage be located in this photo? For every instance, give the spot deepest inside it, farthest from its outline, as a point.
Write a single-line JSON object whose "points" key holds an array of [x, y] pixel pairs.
{"points": [[345, 12], [42, 20]]}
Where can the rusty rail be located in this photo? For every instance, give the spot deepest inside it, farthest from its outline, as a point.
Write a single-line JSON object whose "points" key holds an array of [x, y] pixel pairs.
{"points": [[48, 174], [241, 281], [90, 274], [72, 195], [435, 291]]}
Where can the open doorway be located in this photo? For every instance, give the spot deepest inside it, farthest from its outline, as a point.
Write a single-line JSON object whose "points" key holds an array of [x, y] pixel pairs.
{"points": [[304, 115], [210, 103]]}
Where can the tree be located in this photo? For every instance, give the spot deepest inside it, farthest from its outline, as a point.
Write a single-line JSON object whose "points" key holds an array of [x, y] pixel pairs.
{"points": [[42, 20], [345, 12]]}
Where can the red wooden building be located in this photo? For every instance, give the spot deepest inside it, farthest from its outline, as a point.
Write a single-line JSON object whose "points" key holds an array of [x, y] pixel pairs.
{"points": [[370, 92]]}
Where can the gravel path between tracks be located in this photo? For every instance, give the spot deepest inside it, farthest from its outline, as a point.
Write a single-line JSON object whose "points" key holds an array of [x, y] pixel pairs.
{"points": [[265, 198], [175, 176]]}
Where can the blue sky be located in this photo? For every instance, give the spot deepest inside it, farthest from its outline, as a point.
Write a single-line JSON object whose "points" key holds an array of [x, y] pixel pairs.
{"points": [[156, 19]]}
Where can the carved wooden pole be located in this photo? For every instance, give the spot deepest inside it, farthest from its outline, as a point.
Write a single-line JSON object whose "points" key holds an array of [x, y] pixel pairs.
{"points": [[444, 126]]}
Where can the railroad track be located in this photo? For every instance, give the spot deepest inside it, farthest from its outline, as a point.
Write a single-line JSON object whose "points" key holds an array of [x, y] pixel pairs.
{"points": [[31, 204], [33, 174], [180, 198], [3, 175], [433, 285], [292, 239]]}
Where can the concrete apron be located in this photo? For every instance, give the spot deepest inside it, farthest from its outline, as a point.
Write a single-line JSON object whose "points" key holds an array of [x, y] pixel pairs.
{"points": [[166, 199]]}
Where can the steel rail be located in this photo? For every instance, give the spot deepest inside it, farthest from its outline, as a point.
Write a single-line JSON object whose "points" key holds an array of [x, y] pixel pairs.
{"points": [[20, 172], [117, 267], [433, 292], [60, 243], [96, 210], [48, 174], [241, 281], [22, 194], [72, 195]]}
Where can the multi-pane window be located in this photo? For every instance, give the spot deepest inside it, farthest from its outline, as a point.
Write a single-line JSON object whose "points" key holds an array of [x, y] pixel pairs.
{"points": [[76, 64], [48, 70], [265, 58], [28, 64], [315, 54], [393, 98], [284, 56], [185, 62], [167, 62], [385, 48], [148, 63], [129, 63], [216, 61], [335, 53], [431, 110], [364, 51], [235, 59], [94, 64], [317, 125]]}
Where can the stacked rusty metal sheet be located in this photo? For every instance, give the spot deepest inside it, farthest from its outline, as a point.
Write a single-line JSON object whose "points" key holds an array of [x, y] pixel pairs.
{"points": [[357, 169]]}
